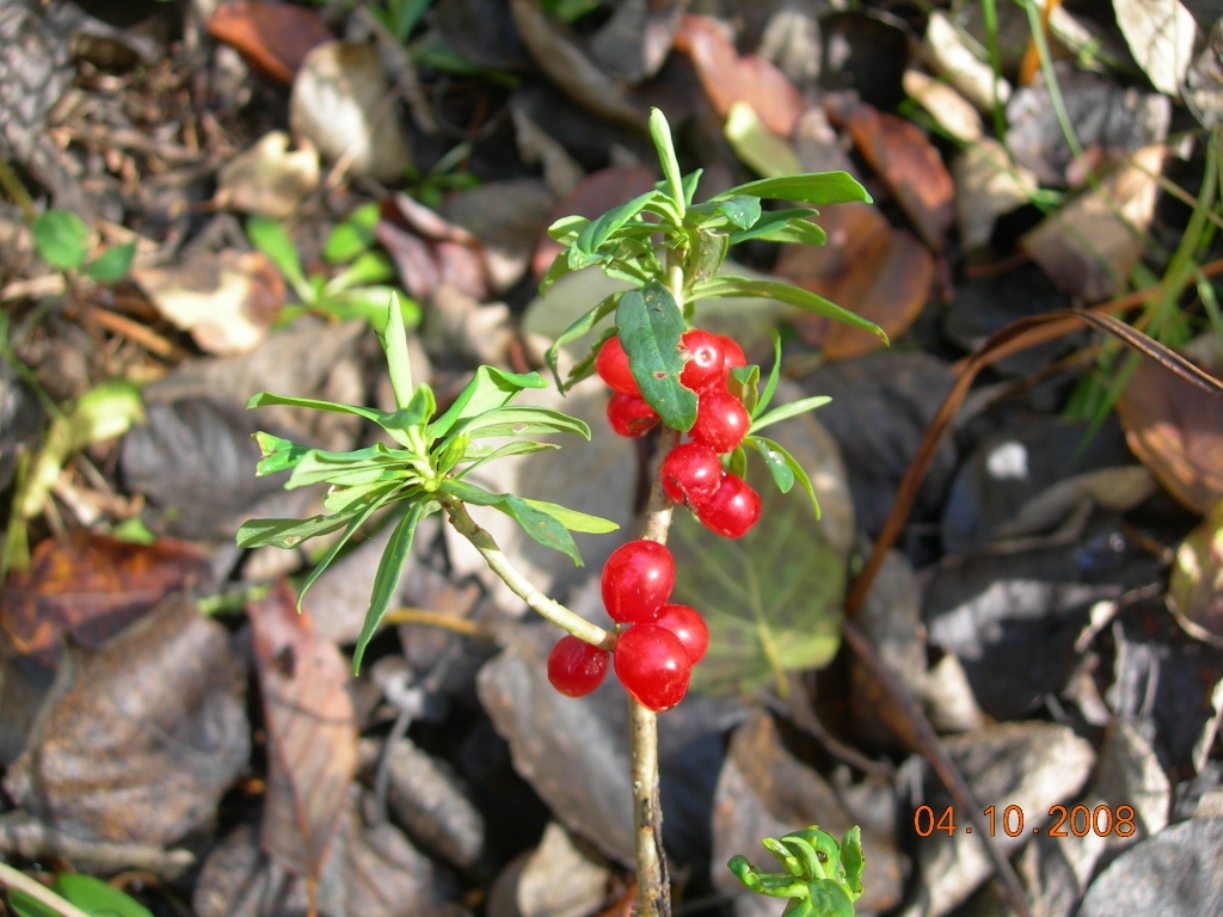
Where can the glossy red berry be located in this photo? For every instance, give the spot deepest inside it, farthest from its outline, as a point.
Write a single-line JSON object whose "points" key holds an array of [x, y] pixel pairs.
{"points": [[687, 624], [576, 668], [637, 580], [612, 366], [629, 415], [703, 356], [732, 510], [732, 355], [653, 666], [721, 420], [691, 473]]}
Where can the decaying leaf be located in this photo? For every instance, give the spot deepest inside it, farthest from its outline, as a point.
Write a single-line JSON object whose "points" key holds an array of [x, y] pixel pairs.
{"points": [[273, 37], [988, 184], [429, 250], [312, 734], [1160, 34], [951, 58], [1090, 244], [140, 738], [268, 178], [1195, 589], [769, 155], [951, 110], [227, 300], [90, 587]]}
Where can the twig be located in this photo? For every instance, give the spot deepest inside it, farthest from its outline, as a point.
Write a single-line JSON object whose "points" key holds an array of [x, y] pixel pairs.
{"points": [[33, 840], [21, 882]]}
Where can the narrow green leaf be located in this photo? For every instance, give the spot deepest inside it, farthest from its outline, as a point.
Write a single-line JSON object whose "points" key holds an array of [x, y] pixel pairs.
{"points": [[264, 399], [660, 133], [782, 474], [271, 238], [24, 905], [558, 269], [574, 520], [786, 411], [810, 188], [354, 236], [369, 268], [691, 180], [760, 444], [287, 533], [314, 469], [853, 860], [469, 493], [598, 232], [478, 455], [706, 252], [651, 324], [113, 264], [584, 325], [62, 239], [784, 226], [373, 500], [386, 580], [394, 338], [341, 500], [727, 285], [98, 898], [566, 229], [278, 453], [523, 421], [489, 388], [452, 451], [741, 211], [368, 303], [540, 525], [770, 386]]}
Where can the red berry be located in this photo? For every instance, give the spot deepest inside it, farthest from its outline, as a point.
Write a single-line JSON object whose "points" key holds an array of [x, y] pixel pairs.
{"points": [[652, 665], [637, 580], [629, 415], [721, 420], [576, 668], [687, 624], [691, 473], [732, 354], [732, 510], [703, 356], [612, 366]]}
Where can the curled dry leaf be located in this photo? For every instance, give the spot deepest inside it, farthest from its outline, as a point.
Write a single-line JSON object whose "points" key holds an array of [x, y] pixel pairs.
{"points": [[1090, 245], [274, 38], [429, 250], [139, 739], [312, 733], [267, 178], [878, 272], [227, 301], [1176, 430], [728, 78], [340, 104], [90, 587], [1195, 588], [909, 165]]}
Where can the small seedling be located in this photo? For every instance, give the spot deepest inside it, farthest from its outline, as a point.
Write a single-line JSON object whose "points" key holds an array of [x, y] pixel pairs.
{"points": [[822, 878], [64, 242]]}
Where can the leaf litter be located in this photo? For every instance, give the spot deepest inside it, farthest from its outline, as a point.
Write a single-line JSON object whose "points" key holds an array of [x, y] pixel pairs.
{"points": [[1072, 598]]}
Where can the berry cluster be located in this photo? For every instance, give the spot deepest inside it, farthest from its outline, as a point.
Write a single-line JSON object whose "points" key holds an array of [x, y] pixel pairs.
{"points": [[692, 472], [658, 643]]}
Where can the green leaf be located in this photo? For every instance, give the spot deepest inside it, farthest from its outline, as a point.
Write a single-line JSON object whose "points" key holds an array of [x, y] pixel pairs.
{"points": [[810, 188], [574, 520], [394, 340], [490, 388], [264, 399], [567, 229], [690, 181], [354, 236], [62, 239], [522, 421], [578, 329], [540, 525], [786, 411], [784, 226], [660, 133], [369, 305], [386, 580], [113, 264], [97, 898], [341, 500], [772, 452], [771, 599], [706, 253], [764, 152], [371, 502], [727, 285], [650, 326], [369, 268], [287, 533], [853, 860], [271, 238], [24, 905], [741, 211], [478, 455], [587, 244], [770, 387], [558, 269], [317, 468]]}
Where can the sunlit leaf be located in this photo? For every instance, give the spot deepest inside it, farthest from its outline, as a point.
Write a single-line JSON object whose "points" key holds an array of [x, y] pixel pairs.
{"points": [[489, 388], [113, 264], [62, 239], [650, 326], [522, 421], [271, 238], [580, 327], [287, 533], [727, 285], [777, 457], [783, 226], [809, 188]]}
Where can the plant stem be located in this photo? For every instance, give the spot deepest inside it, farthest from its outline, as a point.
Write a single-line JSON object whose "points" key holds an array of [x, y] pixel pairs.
{"points": [[547, 608]]}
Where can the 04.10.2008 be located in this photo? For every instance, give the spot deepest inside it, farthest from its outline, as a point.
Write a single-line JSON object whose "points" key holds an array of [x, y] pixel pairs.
{"points": [[1079, 821]]}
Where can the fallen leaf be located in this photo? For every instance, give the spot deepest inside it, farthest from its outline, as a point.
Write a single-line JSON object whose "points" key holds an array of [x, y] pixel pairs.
{"points": [[139, 739], [909, 165], [728, 78], [89, 587], [1195, 588], [634, 42], [562, 877], [267, 178], [1090, 245], [226, 300], [756, 146], [867, 267], [949, 56], [429, 250], [987, 185], [312, 734], [482, 32], [952, 111], [1160, 34], [273, 37], [507, 217], [340, 104]]}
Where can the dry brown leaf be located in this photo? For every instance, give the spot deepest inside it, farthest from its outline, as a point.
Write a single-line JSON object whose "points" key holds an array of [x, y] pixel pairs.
{"points": [[909, 165], [428, 250], [267, 178], [867, 267], [1176, 430], [90, 587], [139, 739], [312, 733], [1090, 244], [227, 301], [951, 110], [728, 78], [987, 185], [1195, 587], [274, 38]]}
